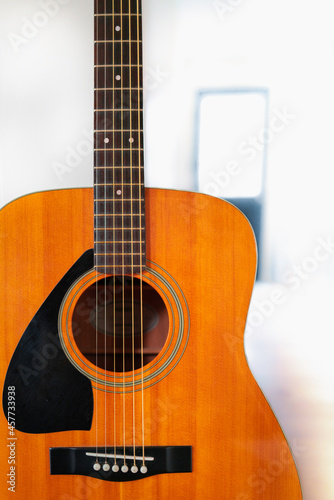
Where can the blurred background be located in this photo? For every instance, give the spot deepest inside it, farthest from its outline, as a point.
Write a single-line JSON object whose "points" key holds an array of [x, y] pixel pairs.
{"points": [[238, 104]]}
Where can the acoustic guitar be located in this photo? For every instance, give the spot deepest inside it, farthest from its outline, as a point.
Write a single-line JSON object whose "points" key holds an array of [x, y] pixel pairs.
{"points": [[122, 317]]}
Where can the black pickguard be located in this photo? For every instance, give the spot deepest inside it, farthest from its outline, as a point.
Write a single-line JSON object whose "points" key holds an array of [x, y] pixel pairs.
{"points": [[51, 395]]}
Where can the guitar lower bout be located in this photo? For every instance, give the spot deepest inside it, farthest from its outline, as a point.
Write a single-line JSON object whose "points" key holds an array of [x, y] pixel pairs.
{"points": [[195, 391]]}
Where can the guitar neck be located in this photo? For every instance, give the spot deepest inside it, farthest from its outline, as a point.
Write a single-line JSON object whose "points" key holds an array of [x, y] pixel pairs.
{"points": [[119, 209]]}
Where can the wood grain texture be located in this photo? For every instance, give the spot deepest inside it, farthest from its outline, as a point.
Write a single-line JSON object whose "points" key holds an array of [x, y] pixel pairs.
{"points": [[209, 401]]}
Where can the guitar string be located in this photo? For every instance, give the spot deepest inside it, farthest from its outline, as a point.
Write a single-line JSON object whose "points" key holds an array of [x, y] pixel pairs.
{"points": [[123, 275], [105, 238], [97, 75], [105, 242], [140, 237], [132, 250], [114, 238]]}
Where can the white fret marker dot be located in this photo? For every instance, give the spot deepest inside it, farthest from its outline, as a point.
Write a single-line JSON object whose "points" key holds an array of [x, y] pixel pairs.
{"points": [[118, 77], [131, 140], [118, 28], [106, 140], [119, 192]]}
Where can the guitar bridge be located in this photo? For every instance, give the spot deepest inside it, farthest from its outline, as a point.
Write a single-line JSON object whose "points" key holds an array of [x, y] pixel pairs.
{"points": [[119, 464]]}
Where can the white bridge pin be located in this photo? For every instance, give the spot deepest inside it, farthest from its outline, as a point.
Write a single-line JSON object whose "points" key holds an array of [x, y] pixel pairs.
{"points": [[143, 469], [134, 469], [125, 468], [97, 466], [115, 468], [106, 467]]}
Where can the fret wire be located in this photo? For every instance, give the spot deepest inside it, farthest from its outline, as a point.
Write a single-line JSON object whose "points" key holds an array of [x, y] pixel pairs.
{"points": [[124, 184], [117, 41], [116, 242], [117, 130], [117, 149], [117, 15], [120, 168], [119, 269], [114, 267], [127, 214], [115, 199], [121, 253], [123, 110], [116, 65], [111, 88], [101, 259], [117, 229], [125, 257], [114, 214], [127, 268]]}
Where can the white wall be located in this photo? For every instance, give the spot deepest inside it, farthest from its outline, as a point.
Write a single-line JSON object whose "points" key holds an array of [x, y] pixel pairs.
{"points": [[287, 46]]}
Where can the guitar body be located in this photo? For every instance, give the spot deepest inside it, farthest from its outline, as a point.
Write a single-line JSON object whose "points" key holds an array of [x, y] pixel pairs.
{"points": [[198, 390]]}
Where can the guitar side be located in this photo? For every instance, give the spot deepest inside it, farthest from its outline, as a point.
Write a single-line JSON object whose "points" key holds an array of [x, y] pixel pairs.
{"points": [[209, 400]]}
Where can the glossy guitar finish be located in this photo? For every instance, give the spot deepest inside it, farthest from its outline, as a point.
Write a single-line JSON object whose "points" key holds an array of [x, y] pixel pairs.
{"points": [[206, 398]]}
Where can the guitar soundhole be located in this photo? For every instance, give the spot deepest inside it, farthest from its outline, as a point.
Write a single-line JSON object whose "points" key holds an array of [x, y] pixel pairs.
{"points": [[114, 317]]}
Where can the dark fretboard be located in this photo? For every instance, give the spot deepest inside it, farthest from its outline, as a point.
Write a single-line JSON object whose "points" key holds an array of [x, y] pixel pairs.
{"points": [[119, 209]]}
